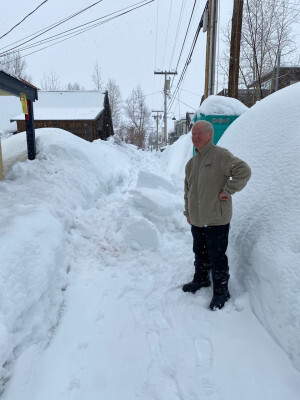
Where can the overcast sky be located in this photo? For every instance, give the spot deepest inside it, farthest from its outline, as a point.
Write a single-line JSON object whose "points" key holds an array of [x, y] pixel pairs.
{"points": [[128, 48]]}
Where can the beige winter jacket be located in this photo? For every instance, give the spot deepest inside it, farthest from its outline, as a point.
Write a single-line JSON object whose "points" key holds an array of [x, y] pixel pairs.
{"points": [[213, 169]]}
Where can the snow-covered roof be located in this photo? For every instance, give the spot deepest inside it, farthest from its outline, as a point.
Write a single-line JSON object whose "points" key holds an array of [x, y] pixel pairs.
{"points": [[63, 113], [67, 105], [220, 105]]}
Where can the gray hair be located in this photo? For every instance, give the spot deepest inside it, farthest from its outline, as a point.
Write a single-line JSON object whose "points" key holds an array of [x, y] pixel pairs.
{"points": [[208, 126]]}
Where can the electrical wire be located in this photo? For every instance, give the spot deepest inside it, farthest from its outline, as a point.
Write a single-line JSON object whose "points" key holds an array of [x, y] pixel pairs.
{"points": [[186, 33], [50, 27], [77, 30], [86, 29], [156, 34], [178, 28], [177, 98], [191, 17], [166, 41], [26, 16], [155, 51], [188, 60], [188, 91]]}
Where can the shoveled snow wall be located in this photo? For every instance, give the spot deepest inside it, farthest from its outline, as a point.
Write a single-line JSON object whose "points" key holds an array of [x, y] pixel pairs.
{"points": [[264, 246]]}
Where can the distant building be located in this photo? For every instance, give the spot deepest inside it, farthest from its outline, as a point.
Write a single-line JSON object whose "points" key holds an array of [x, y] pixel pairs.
{"points": [[286, 77], [246, 96], [86, 114], [181, 127]]}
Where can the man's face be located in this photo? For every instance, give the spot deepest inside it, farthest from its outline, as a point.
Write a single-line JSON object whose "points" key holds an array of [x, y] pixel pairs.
{"points": [[199, 136]]}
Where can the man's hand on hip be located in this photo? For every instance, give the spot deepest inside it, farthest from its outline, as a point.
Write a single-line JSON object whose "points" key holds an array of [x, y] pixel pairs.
{"points": [[222, 196], [189, 221]]}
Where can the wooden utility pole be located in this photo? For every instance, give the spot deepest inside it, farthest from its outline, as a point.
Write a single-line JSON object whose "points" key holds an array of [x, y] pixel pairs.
{"points": [[211, 48], [166, 92], [208, 39], [156, 119], [235, 44]]}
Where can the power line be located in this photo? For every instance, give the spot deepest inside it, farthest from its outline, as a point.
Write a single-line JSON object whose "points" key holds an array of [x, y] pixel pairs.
{"points": [[188, 60], [84, 30], [75, 31], [50, 27], [178, 27], [187, 30], [167, 32], [156, 33], [155, 52], [186, 33], [177, 98], [23, 19], [188, 91]]}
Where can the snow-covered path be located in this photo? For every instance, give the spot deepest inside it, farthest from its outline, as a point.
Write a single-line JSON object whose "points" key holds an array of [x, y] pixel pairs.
{"points": [[127, 331]]}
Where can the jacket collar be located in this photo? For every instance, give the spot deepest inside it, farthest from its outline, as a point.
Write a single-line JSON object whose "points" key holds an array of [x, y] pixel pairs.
{"points": [[205, 149]]}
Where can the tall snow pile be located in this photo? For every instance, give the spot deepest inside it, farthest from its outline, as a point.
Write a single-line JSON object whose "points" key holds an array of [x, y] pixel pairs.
{"points": [[264, 246], [220, 105], [37, 217], [265, 239]]}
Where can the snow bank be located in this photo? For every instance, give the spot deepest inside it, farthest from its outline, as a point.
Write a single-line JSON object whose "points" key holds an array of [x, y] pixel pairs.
{"points": [[33, 272], [220, 105], [264, 244], [38, 202], [151, 206], [265, 237], [177, 155]]}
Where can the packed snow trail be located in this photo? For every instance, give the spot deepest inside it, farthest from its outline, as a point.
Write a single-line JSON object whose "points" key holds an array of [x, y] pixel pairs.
{"points": [[128, 331]]}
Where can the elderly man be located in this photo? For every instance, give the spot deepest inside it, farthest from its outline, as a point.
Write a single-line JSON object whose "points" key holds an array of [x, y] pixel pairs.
{"points": [[212, 176]]}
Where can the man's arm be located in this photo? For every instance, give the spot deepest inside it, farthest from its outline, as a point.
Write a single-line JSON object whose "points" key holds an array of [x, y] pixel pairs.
{"points": [[186, 190], [240, 173]]}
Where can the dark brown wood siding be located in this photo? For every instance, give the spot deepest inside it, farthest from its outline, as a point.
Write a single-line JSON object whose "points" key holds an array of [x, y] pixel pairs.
{"points": [[87, 130]]}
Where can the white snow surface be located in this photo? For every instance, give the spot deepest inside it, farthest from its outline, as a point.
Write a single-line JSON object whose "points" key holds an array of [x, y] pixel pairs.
{"points": [[265, 235], [66, 113], [95, 249], [220, 105], [10, 106]]}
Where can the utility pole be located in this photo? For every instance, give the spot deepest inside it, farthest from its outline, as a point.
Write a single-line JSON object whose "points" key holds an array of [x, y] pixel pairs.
{"points": [[235, 44], [166, 92], [156, 118], [211, 48]]}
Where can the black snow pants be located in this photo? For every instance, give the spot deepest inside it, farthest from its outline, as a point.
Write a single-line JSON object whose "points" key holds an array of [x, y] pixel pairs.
{"points": [[210, 245]]}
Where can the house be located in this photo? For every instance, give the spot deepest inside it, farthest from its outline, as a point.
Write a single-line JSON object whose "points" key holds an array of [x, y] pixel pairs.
{"points": [[286, 76], [181, 127], [86, 114], [246, 96]]}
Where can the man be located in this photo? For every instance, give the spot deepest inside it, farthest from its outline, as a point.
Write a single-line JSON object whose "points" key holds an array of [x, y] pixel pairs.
{"points": [[212, 176]]}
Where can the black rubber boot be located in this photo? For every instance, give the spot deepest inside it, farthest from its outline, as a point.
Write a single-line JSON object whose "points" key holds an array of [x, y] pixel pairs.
{"points": [[193, 286], [219, 299]]}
